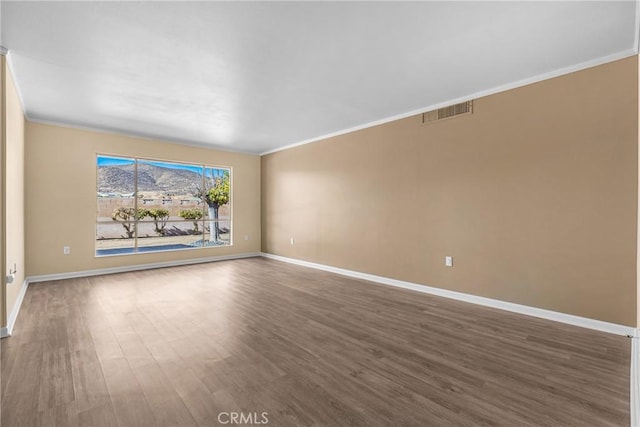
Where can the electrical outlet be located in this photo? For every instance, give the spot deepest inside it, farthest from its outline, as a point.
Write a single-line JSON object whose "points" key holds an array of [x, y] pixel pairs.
{"points": [[448, 261], [292, 241], [246, 237], [66, 250]]}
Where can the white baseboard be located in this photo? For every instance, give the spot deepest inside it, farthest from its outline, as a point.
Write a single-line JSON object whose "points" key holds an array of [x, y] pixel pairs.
{"points": [[517, 308], [11, 320], [13, 315], [474, 299], [570, 319], [635, 383], [138, 267]]}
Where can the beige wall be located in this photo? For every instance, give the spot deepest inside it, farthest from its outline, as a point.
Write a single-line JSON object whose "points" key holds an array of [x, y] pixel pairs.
{"points": [[61, 197], [3, 318], [534, 195], [14, 191]]}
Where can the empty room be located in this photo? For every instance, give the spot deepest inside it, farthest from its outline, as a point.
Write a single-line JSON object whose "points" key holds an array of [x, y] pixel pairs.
{"points": [[308, 213]]}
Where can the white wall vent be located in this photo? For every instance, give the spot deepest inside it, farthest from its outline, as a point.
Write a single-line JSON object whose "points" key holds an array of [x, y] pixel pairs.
{"points": [[448, 112]]}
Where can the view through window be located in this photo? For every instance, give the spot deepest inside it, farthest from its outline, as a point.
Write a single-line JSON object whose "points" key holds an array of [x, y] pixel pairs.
{"points": [[150, 205]]}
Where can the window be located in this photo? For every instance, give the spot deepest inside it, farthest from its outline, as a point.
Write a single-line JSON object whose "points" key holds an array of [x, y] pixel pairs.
{"points": [[150, 205]]}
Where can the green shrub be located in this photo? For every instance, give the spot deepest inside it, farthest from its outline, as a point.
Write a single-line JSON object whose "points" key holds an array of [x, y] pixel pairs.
{"points": [[194, 215], [160, 217], [127, 217]]}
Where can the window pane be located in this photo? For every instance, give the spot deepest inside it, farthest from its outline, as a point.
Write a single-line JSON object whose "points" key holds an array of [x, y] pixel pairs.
{"points": [[217, 186], [224, 212], [218, 198], [111, 239], [175, 235], [217, 233], [149, 205], [168, 185], [116, 186]]}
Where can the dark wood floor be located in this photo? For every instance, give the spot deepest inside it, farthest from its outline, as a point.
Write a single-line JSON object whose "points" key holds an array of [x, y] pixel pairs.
{"points": [[183, 346]]}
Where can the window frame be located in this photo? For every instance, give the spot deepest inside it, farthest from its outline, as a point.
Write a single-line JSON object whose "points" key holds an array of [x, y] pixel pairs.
{"points": [[137, 204]]}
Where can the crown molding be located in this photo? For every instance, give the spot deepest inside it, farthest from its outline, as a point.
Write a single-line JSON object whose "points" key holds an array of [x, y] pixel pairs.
{"points": [[502, 88], [636, 36]]}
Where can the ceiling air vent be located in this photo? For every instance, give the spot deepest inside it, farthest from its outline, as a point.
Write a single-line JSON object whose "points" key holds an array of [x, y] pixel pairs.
{"points": [[448, 112]]}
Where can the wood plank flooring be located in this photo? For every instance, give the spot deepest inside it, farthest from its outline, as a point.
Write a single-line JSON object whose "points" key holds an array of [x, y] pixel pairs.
{"points": [[185, 346]]}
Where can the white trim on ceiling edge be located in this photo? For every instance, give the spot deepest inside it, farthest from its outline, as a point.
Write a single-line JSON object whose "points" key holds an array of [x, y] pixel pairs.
{"points": [[137, 135], [483, 93], [636, 39], [570, 319], [106, 130], [12, 71], [7, 331], [502, 88]]}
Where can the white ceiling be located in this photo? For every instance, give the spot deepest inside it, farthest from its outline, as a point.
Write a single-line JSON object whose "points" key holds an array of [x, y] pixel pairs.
{"points": [[258, 76]]}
